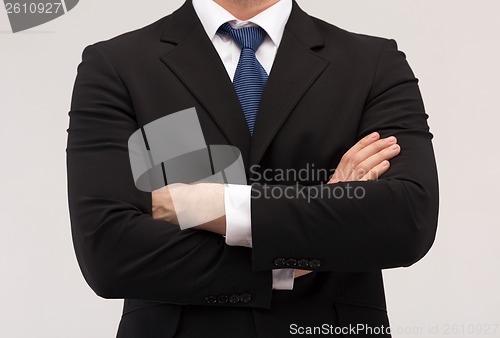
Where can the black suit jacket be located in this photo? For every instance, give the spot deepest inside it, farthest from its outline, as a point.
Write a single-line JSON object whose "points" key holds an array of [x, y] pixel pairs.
{"points": [[327, 89]]}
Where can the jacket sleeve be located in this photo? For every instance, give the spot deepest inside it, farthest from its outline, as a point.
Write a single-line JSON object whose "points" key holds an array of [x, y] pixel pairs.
{"points": [[383, 224], [122, 251]]}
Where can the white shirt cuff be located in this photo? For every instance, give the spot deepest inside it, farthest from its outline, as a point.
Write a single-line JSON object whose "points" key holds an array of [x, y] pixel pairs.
{"points": [[283, 279], [238, 215], [237, 200]]}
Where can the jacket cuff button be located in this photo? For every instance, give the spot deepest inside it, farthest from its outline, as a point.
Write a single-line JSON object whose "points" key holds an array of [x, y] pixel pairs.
{"points": [[279, 262], [315, 263], [211, 300], [245, 297], [303, 263], [234, 299], [222, 299]]}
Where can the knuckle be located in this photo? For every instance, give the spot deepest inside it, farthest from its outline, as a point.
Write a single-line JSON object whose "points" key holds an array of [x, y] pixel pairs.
{"points": [[363, 142], [355, 160], [360, 172], [381, 144], [374, 174]]}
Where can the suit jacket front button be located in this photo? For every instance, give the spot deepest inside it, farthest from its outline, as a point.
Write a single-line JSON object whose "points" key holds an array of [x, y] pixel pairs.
{"points": [[291, 262], [315, 263], [279, 262], [245, 297], [211, 300], [303, 263], [234, 299], [222, 299]]}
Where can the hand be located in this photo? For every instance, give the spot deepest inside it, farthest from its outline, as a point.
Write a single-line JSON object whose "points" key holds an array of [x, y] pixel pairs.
{"points": [[191, 205], [366, 160]]}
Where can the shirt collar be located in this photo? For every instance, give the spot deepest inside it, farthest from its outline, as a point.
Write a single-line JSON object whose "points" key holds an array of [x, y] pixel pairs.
{"points": [[273, 20]]}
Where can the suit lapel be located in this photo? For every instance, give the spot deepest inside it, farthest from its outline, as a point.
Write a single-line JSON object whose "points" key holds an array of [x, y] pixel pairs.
{"points": [[295, 69], [197, 64]]}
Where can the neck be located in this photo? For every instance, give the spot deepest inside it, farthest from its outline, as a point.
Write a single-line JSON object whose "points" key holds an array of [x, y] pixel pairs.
{"points": [[245, 9]]}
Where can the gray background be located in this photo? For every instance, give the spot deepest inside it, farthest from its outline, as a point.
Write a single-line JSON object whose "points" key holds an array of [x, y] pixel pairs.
{"points": [[451, 45]]}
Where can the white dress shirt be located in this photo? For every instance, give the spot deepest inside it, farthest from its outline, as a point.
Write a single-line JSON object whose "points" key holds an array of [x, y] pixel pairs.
{"points": [[237, 198]]}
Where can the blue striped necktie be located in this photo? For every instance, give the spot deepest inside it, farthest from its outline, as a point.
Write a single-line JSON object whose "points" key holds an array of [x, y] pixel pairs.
{"points": [[250, 77]]}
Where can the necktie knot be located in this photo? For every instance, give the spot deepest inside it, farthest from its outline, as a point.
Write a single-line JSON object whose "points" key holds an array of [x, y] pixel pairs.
{"points": [[247, 37]]}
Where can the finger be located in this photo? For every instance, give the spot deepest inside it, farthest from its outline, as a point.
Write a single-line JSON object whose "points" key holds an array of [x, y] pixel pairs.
{"points": [[376, 172], [347, 170], [372, 149], [373, 161], [340, 171], [361, 144]]}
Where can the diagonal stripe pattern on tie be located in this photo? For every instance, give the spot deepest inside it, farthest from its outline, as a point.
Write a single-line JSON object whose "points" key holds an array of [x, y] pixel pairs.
{"points": [[250, 77]]}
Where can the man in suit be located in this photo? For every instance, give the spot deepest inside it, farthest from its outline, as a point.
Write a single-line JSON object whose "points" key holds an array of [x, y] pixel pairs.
{"points": [[307, 94]]}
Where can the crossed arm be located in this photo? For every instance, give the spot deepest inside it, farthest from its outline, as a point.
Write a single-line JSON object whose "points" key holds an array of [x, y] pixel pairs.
{"points": [[367, 160]]}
